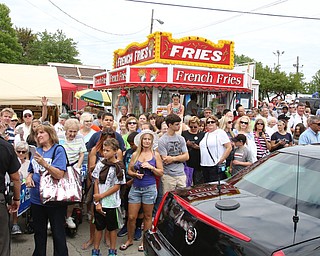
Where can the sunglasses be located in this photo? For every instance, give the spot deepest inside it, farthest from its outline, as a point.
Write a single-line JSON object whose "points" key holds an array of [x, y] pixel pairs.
{"points": [[107, 133], [242, 122], [132, 122], [175, 95], [193, 127], [21, 152], [317, 124], [27, 115], [260, 123], [211, 122], [229, 122]]}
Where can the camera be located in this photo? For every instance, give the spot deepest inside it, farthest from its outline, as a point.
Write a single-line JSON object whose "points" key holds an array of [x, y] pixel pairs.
{"points": [[260, 134]]}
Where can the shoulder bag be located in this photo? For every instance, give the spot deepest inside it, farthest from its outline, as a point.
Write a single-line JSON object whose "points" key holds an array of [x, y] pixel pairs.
{"points": [[66, 190]]}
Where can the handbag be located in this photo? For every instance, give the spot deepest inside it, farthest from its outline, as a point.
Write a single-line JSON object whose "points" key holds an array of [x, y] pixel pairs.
{"points": [[189, 174], [66, 190]]}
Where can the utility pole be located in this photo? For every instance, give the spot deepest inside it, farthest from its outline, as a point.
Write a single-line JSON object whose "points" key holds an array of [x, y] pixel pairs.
{"points": [[297, 66], [278, 54]]}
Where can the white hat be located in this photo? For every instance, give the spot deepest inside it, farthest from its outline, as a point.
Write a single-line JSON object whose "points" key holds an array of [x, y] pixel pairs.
{"points": [[27, 111], [137, 139]]}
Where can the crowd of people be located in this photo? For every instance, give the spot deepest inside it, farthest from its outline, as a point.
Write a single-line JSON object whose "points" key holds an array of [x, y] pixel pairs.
{"points": [[130, 161]]}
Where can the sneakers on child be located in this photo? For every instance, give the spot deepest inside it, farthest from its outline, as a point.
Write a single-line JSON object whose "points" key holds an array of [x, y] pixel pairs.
{"points": [[95, 252], [70, 223], [137, 234], [112, 252], [123, 231], [15, 230]]}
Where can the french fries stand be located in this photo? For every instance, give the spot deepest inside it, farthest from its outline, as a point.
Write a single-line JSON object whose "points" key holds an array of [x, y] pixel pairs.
{"points": [[155, 69]]}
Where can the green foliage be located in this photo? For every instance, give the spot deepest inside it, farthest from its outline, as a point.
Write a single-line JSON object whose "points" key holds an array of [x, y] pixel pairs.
{"points": [[314, 85], [10, 49], [52, 47]]}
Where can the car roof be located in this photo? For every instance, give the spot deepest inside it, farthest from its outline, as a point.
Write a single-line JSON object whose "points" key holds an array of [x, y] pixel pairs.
{"points": [[303, 150]]}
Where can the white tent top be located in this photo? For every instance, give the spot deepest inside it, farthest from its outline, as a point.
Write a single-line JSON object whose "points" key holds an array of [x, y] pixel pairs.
{"points": [[27, 84]]}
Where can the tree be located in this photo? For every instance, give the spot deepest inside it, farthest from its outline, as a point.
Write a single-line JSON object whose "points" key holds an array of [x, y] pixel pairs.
{"points": [[314, 85], [10, 49], [25, 37], [52, 47]]}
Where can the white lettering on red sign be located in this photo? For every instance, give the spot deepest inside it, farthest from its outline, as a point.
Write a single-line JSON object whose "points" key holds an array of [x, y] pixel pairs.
{"points": [[195, 54], [228, 79], [100, 80], [118, 77], [191, 77], [134, 57]]}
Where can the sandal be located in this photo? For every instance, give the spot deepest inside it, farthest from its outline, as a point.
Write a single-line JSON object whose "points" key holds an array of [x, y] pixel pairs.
{"points": [[124, 247], [140, 248], [86, 245]]}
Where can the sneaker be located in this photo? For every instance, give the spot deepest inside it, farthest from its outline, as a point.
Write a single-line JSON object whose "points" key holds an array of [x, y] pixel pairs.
{"points": [[15, 230], [137, 234], [112, 252], [123, 231], [70, 223], [95, 252]]}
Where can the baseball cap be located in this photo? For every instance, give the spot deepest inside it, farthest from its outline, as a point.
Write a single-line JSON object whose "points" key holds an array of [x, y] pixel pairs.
{"points": [[14, 117], [64, 116], [27, 111], [240, 137]]}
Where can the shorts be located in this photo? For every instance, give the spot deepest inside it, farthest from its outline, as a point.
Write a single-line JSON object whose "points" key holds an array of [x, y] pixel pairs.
{"points": [[145, 195], [110, 221]]}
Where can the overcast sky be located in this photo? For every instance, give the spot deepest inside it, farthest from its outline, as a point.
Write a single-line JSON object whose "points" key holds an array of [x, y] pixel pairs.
{"points": [[117, 23]]}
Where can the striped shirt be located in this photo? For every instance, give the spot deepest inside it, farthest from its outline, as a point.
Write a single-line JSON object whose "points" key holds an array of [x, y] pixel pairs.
{"points": [[262, 149]]}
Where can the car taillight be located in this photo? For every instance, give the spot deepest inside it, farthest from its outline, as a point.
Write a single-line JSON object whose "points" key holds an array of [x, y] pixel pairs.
{"points": [[278, 253], [156, 217], [210, 221]]}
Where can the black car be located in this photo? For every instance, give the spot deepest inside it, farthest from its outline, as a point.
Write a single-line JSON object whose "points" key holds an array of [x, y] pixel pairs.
{"points": [[271, 208]]}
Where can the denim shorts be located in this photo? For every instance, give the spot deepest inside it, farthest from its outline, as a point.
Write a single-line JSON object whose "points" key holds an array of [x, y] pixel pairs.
{"points": [[145, 195]]}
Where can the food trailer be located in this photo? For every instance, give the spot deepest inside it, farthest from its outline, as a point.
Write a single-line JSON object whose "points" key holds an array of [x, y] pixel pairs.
{"points": [[151, 71]]}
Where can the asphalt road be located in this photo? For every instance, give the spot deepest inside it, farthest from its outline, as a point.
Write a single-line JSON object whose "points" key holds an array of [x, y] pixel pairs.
{"points": [[24, 244]]}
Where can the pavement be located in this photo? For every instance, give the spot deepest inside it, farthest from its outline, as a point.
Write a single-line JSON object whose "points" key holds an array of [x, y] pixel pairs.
{"points": [[24, 244]]}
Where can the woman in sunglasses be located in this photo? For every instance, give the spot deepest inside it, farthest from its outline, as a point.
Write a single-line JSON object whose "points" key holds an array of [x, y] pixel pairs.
{"points": [[193, 136], [22, 151], [261, 138], [132, 126], [175, 107], [215, 147], [243, 126]]}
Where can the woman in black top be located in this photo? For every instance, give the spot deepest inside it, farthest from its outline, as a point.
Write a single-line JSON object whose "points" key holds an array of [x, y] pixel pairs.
{"points": [[193, 136]]}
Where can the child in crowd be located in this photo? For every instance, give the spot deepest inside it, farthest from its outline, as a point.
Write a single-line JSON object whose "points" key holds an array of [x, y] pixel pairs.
{"points": [[108, 176], [242, 156]]}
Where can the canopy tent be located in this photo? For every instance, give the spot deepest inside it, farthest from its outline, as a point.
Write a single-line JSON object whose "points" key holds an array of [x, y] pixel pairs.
{"points": [[26, 84], [65, 85]]}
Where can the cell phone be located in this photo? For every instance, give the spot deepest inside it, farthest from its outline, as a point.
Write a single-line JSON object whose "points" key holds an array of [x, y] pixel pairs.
{"points": [[32, 149], [260, 134]]}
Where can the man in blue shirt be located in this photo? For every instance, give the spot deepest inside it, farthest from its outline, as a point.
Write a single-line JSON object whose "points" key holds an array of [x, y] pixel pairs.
{"points": [[311, 135], [106, 122]]}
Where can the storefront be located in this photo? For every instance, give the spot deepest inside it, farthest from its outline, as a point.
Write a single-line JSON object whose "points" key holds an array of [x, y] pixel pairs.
{"points": [[155, 69]]}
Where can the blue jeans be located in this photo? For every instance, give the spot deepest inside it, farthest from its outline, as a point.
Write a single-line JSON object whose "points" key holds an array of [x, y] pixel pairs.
{"points": [[57, 216]]}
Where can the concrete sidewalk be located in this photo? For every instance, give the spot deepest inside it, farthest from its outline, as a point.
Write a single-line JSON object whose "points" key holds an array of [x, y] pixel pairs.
{"points": [[24, 244]]}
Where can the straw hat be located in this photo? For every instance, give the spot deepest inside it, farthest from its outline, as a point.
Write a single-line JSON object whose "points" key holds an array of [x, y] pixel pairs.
{"points": [[137, 139]]}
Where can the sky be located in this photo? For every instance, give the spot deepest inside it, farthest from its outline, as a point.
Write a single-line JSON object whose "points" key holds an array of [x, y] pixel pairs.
{"points": [[102, 26]]}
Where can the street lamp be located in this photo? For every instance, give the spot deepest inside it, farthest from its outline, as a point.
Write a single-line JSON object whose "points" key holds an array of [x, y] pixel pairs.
{"points": [[278, 53], [152, 19]]}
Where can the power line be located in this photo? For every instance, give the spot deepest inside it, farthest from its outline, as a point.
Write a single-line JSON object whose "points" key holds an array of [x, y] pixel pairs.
{"points": [[227, 10], [89, 26]]}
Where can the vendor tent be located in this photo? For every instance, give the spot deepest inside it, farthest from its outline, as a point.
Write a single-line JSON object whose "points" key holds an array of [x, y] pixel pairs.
{"points": [[65, 85], [26, 84]]}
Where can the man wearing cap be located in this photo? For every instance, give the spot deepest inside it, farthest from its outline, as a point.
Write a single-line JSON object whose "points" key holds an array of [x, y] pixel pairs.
{"points": [[60, 124], [27, 116], [242, 156]]}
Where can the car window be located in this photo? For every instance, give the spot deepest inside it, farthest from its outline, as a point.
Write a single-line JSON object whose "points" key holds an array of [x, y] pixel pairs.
{"points": [[276, 179]]}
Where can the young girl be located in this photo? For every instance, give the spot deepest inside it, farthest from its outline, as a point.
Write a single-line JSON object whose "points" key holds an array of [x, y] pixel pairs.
{"points": [[108, 176], [175, 107]]}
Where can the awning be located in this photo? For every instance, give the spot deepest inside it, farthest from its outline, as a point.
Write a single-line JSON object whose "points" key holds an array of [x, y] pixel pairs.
{"points": [[65, 85], [27, 84], [176, 86]]}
